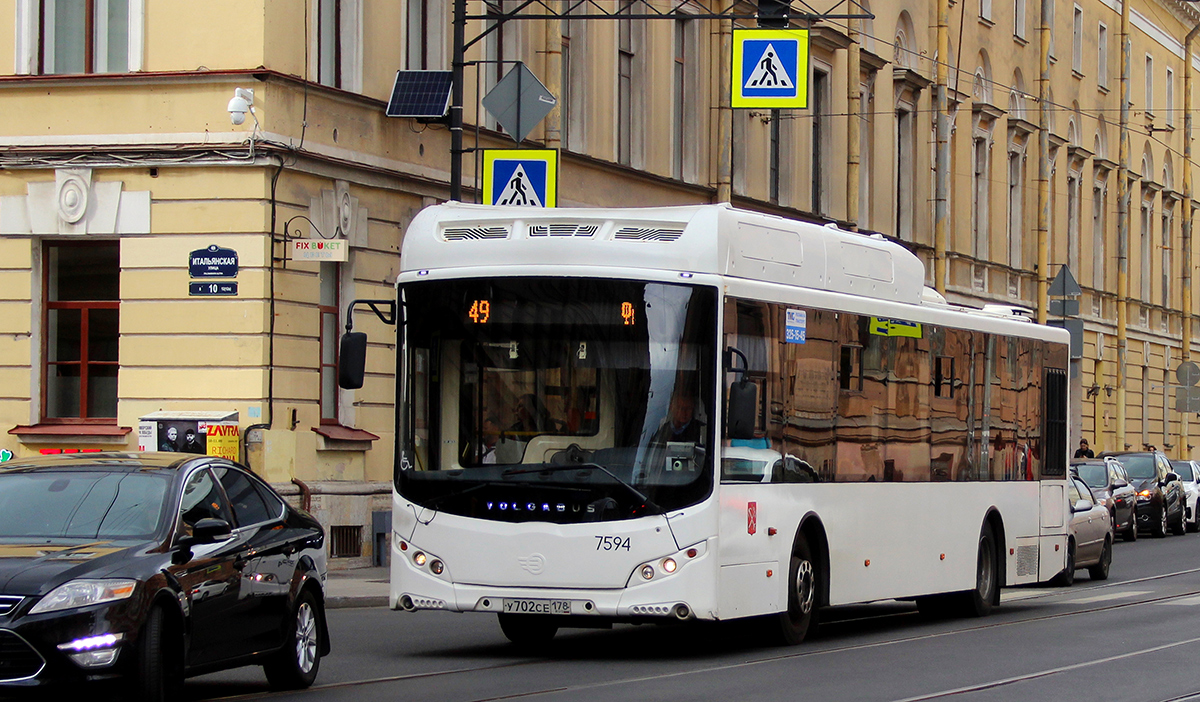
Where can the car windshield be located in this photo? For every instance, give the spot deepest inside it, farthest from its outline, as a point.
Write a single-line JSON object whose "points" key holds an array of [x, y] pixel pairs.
{"points": [[81, 505], [1139, 467], [508, 381], [1093, 474], [1183, 469]]}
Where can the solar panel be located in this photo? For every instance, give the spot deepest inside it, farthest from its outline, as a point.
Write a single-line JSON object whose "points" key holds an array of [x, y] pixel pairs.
{"points": [[423, 94]]}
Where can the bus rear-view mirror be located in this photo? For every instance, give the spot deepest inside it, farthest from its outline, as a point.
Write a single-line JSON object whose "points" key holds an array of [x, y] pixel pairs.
{"points": [[352, 360], [742, 409]]}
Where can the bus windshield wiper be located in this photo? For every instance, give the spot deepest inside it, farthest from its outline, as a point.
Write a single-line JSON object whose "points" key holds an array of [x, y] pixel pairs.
{"points": [[559, 467]]}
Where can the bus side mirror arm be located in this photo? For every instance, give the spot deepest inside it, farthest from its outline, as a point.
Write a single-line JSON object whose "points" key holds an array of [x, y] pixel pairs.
{"points": [[352, 353]]}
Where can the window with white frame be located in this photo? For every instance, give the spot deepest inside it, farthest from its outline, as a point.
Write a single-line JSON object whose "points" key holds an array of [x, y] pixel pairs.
{"points": [[79, 36], [905, 173], [1099, 224], [1102, 56], [1077, 40], [821, 137], [336, 37], [625, 59], [574, 70], [1019, 19], [1050, 23], [424, 30], [980, 187], [684, 153], [1073, 195], [1016, 203], [1168, 226], [1146, 242], [866, 148], [985, 10]]}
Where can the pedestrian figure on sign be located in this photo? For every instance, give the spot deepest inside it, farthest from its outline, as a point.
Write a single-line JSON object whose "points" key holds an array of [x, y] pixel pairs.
{"points": [[518, 187], [768, 66]]}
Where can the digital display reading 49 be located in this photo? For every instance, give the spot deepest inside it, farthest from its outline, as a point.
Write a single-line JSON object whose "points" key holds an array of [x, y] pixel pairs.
{"points": [[480, 312]]}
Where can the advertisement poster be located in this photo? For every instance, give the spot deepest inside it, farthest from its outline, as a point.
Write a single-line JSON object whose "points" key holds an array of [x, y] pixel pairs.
{"points": [[202, 433]]}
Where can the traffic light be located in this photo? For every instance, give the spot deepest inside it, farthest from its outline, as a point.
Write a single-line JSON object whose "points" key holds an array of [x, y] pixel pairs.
{"points": [[774, 13]]}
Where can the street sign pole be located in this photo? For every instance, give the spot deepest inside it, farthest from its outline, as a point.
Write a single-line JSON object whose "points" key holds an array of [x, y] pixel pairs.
{"points": [[456, 104]]}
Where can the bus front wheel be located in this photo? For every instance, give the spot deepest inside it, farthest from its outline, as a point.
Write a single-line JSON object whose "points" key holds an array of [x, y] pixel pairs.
{"points": [[528, 629], [803, 585]]}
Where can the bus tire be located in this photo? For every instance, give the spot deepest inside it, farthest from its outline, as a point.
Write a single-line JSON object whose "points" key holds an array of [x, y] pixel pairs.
{"points": [[527, 629], [804, 580], [978, 602], [1067, 577]]}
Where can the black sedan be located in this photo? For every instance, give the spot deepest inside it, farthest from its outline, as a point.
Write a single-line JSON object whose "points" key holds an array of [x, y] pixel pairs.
{"points": [[146, 568], [1160, 495], [1108, 484]]}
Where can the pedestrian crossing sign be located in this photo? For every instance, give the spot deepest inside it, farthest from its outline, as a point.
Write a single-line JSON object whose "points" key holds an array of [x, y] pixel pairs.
{"points": [[520, 177], [770, 68]]}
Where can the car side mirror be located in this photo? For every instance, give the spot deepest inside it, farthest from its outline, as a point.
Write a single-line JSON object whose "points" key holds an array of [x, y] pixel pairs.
{"points": [[211, 530], [1172, 477], [1081, 506], [1120, 484]]}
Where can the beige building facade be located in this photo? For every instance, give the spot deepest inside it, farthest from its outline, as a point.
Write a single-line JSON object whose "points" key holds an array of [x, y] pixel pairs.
{"points": [[120, 167]]}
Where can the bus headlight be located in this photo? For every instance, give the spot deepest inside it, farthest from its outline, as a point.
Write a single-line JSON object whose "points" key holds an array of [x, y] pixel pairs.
{"points": [[667, 565], [647, 571], [419, 558]]}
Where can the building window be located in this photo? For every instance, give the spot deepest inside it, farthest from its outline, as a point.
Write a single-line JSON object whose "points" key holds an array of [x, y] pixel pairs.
{"points": [[681, 96], [1019, 19], [565, 94], [329, 44], [84, 36], [1146, 234], [1149, 84], [1170, 96], [1073, 196], [979, 198], [1016, 206], [1077, 40], [820, 138], [416, 27], [985, 10], [82, 310], [1168, 224], [328, 307], [866, 147], [625, 57], [1099, 223], [1050, 12], [905, 175], [494, 54], [1102, 57], [574, 73]]}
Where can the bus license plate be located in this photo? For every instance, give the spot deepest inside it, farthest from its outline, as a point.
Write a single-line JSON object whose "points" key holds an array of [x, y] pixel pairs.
{"points": [[537, 606]]}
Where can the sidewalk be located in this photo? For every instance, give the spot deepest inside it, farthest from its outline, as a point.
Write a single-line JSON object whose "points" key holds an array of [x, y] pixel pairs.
{"points": [[357, 587]]}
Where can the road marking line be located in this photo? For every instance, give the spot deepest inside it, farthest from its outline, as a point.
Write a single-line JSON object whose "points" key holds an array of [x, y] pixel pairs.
{"points": [[1193, 600], [1108, 596]]}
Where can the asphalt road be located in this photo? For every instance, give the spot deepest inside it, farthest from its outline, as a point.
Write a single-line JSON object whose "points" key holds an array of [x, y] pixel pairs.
{"points": [[1135, 636]]}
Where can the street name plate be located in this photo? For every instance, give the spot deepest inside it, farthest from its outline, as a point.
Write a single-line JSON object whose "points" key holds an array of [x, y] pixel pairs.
{"points": [[213, 289]]}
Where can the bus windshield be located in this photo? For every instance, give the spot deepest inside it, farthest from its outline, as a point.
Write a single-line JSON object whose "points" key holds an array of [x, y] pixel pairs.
{"points": [[557, 399]]}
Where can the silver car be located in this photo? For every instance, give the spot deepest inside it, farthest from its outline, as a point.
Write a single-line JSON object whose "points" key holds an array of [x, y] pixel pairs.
{"points": [[1090, 541], [1189, 473]]}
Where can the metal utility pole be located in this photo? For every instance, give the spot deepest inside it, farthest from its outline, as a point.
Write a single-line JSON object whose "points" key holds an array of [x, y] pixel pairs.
{"points": [[456, 101], [724, 111], [1043, 217], [941, 195], [1123, 231]]}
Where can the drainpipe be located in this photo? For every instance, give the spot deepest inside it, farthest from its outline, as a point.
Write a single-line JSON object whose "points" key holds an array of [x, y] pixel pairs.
{"points": [[942, 152], [1043, 178], [553, 121], [1188, 211], [1123, 231], [853, 123], [724, 110]]}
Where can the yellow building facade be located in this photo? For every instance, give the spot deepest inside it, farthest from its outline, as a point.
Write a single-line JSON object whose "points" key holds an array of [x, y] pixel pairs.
{"points": [[121, 168]]}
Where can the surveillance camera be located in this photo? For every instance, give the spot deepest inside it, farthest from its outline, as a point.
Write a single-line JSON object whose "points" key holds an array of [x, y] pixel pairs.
{"points": [[241, 103]]}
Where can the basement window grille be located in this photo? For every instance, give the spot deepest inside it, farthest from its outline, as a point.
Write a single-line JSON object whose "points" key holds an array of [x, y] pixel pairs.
{"points": [[345, 542]]}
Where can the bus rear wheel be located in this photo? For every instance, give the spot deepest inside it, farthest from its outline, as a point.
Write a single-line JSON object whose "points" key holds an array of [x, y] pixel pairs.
{"points": [[978, 602], [804, 574], [528, 629]]}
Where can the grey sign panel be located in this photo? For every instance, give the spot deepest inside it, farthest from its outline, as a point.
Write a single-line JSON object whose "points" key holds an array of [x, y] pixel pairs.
{"points": [[1064, 284], [1064, 308], [218, 289], [421, 94], [1187, 399], [1075, 328], [1187, 373], [519, 101]]}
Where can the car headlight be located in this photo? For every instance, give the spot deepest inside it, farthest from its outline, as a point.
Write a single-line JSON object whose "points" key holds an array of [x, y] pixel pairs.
{"points": [[81, 593], [1144, 493]]}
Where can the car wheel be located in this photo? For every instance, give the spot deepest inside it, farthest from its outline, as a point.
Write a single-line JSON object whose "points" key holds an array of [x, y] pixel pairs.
{"points": [[528, 629], [1179, 528], [1067, 577], [794, 624], [1160, 529], [295, 666], [1100, 570], [158, 678], [1131, 533], [1194, 525]]}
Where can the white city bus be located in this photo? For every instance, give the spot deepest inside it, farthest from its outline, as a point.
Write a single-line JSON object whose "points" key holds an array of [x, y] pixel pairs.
{"points": [[651, 415]]}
